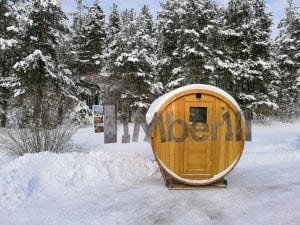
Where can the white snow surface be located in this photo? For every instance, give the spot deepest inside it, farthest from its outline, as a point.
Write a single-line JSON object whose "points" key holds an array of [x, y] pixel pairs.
{"points": [[45, 3], [7, 43], [156, 105], [121, 184]]}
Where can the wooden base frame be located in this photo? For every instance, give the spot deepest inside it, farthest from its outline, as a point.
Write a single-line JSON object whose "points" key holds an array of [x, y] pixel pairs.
{"points": [[173, 184]]}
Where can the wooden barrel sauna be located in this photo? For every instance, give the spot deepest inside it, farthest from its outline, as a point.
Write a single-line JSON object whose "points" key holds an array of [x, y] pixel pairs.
{"points": [[197, 135]]}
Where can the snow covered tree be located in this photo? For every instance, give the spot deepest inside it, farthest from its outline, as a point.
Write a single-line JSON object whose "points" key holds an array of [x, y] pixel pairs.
{"points": [[78, 40], [45, 96], [88, 38], [113, 45], [251, 76], [288, 59], [187, 37], [147, 44], [108, 79], [169, 29], [88, 41], [94, 37], [13, 15], [140, 60], [201, 55], [7, 44], [113, 49], [114, 26], [131, 57]]}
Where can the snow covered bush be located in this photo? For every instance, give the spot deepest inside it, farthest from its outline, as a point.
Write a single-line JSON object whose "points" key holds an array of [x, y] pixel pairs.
{"points": [[33, 140], [80, 114]]}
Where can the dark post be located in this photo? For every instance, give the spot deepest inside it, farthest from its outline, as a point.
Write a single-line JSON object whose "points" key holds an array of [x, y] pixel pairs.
{"points": [[126, 135], [248, 117], [110, 116]]}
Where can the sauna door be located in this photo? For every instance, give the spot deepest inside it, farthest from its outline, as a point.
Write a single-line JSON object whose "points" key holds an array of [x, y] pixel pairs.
{"points": [[197, 161]]}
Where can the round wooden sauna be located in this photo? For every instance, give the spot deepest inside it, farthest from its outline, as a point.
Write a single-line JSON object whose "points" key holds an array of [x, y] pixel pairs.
{"points": [[197, 135]]}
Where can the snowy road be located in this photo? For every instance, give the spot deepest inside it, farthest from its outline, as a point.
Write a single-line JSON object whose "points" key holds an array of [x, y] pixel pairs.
{"points": [[120, 184]]}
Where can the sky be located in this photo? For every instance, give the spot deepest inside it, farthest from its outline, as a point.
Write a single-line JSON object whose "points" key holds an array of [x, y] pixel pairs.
{"points": [[277, 7]]}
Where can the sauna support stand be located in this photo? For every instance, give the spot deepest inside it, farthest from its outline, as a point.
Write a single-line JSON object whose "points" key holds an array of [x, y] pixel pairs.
{"points": [[173, 184]]}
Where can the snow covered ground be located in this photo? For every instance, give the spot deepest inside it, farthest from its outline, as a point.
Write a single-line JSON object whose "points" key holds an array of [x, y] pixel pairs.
{"points": [[120, 184]]}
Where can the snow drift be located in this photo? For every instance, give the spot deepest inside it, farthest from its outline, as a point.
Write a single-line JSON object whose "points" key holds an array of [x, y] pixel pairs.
{"points": [[49, 172]]}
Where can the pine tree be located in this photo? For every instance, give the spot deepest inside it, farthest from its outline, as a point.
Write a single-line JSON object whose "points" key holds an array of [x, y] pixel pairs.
{"points": [[45, 96], [94, 38], [88, 39], [139, 60], [12, 17], [187, 42], [122, 58], [113, 49], [169, 24], [131, 59], [199, 51], [78, 41], [288, 59], [147, 44], [114, 26], [252, 74], [88, 42], [6, 48]]}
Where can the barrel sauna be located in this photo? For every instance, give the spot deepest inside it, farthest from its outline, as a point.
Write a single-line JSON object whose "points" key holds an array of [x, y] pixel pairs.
{"points": [[197, 135]]}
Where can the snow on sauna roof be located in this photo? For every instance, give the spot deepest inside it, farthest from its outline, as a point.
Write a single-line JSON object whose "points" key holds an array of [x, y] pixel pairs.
{"points": [[155, 106]]}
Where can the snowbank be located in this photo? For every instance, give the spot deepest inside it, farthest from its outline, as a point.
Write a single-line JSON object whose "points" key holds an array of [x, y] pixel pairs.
{"points": [[59, 173]]}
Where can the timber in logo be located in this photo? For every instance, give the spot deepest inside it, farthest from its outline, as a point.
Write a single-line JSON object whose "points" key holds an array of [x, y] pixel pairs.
{"points": [[198, 131], [197, 117]]}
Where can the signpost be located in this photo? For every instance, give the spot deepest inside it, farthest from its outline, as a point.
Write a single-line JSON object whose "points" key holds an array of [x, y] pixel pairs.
{"points": [[98, 118]]}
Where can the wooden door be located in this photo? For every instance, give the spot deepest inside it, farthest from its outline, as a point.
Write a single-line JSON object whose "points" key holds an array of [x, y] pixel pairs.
{"points": [[197, 161]]}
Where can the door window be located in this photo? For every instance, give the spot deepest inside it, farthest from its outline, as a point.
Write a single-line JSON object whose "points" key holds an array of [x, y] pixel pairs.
{"points": [[198, 114]]}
